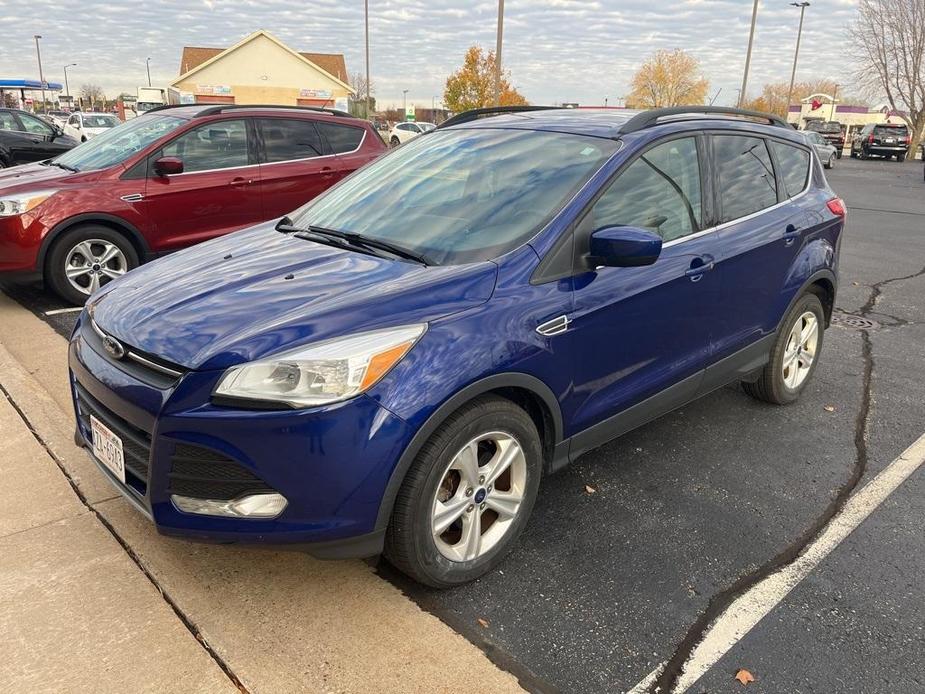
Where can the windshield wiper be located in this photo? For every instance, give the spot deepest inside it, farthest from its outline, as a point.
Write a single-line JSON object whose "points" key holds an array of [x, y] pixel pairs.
{"points": [[354, 239], [52, 162]]}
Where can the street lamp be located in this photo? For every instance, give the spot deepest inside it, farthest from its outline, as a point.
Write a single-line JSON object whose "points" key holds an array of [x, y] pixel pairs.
{"points": [[498, 52], [366, 17], [67, 91], [148, 67], [38, 54], [796, 53], [748, 55]]}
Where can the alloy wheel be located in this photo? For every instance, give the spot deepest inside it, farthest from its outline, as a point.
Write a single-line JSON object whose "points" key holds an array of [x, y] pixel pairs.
{"points": [[479, 496], [92, 263], [801, 350]]}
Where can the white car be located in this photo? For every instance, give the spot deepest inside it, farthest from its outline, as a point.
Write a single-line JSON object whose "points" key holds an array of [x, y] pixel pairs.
{"points": [[59, 118], [83, 126], [402, 132]]}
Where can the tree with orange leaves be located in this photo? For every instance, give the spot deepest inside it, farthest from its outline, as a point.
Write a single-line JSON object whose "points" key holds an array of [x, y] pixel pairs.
{"points": [[668, 78], [473, 85]]}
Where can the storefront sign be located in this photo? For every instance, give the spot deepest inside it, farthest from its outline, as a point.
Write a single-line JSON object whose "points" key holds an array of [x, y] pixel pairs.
{"points": [[214, 89], [315, 94]]}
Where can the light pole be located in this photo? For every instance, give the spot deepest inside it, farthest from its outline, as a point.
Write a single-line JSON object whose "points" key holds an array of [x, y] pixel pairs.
{"points": [[404, 103], [796, 53], [38, 54], [498, 53], [366, 17], [67, 91], [748, 55], [148, 68], [605, 101]]}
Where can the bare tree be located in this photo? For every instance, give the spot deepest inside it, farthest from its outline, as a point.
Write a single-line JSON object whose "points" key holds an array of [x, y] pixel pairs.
{"points": [[92, 94], [889, 45]]}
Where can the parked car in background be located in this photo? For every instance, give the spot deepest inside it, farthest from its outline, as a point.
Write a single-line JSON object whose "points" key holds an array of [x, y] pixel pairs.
{"points": [[825, 150], [881, 140], [832, 131], [83, 126], [170, 178], [402, 132], [58, 118], [26, 138], [397, 364]]}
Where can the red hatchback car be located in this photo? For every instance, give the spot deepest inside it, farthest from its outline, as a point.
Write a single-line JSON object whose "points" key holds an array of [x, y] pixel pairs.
{"points": [[168, 179]]}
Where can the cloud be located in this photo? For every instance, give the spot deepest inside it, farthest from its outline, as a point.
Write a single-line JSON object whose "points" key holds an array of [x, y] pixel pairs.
{"points": [[556, 50]]}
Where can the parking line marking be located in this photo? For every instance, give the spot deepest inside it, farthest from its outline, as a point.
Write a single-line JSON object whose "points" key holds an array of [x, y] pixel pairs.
{"points": [[56, 311], [753, 605], [648, 680]]}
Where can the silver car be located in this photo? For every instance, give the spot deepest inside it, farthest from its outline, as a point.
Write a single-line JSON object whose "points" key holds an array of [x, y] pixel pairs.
{"points": [[827, 153]]}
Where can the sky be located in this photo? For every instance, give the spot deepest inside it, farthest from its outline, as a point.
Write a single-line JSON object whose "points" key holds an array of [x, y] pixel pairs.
{"points": [[555, 50]]}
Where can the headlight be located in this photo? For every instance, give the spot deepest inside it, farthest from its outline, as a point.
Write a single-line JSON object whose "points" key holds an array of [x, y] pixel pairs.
{"points": [[23, 202], [322, 373]]}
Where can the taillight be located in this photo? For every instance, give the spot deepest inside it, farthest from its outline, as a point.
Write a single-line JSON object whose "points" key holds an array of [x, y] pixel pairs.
{"points": [[870, 138], [837, 207]]}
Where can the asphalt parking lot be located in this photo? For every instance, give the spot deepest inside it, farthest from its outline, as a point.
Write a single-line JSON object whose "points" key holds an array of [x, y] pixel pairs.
{"points": [[631, 550]]}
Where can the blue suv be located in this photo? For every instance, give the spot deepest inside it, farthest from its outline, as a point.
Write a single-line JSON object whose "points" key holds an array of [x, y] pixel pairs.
{"points": [[394, 366]]}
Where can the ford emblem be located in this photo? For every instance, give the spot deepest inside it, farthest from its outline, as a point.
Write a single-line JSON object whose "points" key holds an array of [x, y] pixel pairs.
{"points": [[114, 347]]}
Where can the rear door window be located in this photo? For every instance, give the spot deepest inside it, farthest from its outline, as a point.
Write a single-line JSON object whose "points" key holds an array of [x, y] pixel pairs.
{"points": [[896, 131], [216, 145], [659, 191], [288, 139], [7, 122], [745, 176], [342, 138], [793, 163]]}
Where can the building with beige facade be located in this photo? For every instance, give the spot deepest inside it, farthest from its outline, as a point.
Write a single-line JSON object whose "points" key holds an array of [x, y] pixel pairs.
{"points": [[261, 69], [852, 117]]}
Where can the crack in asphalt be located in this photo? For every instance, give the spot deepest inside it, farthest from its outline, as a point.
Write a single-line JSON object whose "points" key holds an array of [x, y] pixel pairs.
{"points": [[667, 679], [184, 619]]}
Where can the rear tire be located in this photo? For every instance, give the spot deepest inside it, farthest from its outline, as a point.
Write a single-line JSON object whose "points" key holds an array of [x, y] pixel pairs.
{"points": [[795, 355], [86, 258], [831, 162], [454, 482], [838, 154], [900, 158]]}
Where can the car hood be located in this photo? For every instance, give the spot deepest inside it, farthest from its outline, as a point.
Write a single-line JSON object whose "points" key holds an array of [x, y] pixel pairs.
{"points": [[258, 292], [33, 176]]}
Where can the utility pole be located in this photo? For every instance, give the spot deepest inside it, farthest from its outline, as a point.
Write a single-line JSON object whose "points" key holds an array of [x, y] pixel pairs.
{"points": [[366, 18], [748, 55], [38, 54], [498, 52], [834, 97], [148, 67], [796, 53], [404, 103], [67, 91]]}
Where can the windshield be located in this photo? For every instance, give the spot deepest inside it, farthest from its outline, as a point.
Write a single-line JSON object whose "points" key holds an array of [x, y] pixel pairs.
{"points": [[100, 121], [460, 196], [118, 144]]}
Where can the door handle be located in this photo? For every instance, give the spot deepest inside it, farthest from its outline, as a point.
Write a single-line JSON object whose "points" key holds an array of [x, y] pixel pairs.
{"points": [[699, 266], [238, 182], [791, 233], [327, 173]]}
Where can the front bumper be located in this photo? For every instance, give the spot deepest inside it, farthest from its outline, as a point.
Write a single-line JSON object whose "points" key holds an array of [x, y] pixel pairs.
{"points": [[331, 463], [20, 241]]}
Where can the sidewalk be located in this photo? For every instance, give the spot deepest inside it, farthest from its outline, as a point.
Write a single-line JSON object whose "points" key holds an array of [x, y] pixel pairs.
{"points": [[93, 599]]}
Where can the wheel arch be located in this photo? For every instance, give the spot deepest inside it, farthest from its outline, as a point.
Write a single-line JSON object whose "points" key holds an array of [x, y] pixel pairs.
{"points": [[528, 392], [107, 220], [824, 284]]}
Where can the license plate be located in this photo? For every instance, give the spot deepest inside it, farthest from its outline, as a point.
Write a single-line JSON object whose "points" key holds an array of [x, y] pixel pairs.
{"points": [[890, 140], [107, 447]]}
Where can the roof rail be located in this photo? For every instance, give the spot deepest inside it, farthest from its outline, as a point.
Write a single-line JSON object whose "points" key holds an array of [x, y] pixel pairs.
{"points": [[477, 113], [219, 108], [165, 107], [647, 119]]}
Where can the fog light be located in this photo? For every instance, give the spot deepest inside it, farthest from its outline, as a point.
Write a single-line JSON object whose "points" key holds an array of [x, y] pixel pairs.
{"points": [[251, 506]]}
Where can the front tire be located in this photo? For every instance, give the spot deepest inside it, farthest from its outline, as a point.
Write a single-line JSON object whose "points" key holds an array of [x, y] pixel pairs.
{"points": [[394, 142], [467, 496], [86, 258], [795, 354], [831, 162]]}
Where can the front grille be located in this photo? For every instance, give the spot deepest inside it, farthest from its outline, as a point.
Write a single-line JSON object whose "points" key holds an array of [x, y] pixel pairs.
{"points": [[136, 443], [146, 367], [202, 473]]}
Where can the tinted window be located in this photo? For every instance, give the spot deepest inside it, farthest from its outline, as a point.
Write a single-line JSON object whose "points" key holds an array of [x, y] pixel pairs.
{"points": [[890, 131], [7, 122], [659, 191], [285, 139], [460, 196], [794, 165], [746, 177], [342, 138], [34, 125], [218, 145]]}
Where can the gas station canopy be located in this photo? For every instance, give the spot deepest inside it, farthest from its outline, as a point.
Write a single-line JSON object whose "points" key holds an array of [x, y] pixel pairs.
{"points": [[29, 84]]}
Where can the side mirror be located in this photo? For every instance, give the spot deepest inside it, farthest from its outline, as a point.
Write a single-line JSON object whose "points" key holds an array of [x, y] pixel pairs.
{"points": [[624, 247], [168, 166]]}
